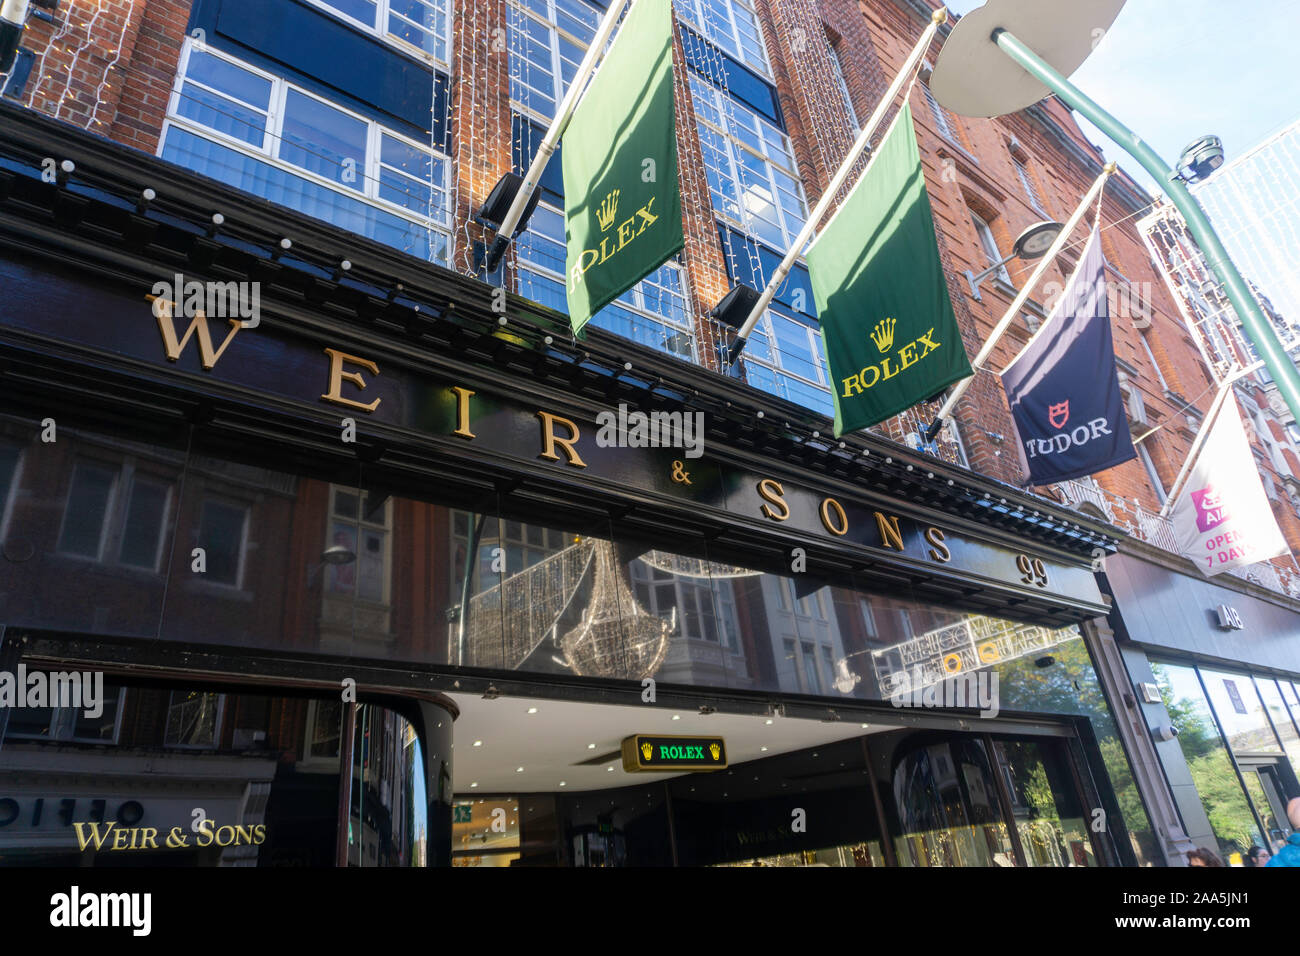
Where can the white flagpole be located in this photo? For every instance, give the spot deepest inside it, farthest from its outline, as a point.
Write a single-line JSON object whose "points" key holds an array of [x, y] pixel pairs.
{"points": [[1013, 312], [1225, 389], [558, 125], [937, 19]]}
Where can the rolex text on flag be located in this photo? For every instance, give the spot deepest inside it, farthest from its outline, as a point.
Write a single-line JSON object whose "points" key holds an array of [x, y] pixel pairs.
{"points": [[1063, 388], [891, 337], [622, 205], [1222, 518]]}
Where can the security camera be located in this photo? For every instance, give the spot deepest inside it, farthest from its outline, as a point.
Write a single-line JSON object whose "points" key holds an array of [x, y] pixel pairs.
{"points": [[1201, 159]]}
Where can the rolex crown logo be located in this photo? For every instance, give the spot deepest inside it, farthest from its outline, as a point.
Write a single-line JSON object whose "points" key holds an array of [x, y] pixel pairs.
{"points": [[607, 210], [647, 751], [883, 334], [716, 751]]}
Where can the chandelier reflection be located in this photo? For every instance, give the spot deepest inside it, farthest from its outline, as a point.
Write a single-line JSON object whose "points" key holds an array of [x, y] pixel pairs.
{"points": [[616, 637], [511, 624]]}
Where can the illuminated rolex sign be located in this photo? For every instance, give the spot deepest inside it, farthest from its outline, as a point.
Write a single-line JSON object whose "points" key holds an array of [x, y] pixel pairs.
{"points": [[643, 752]]}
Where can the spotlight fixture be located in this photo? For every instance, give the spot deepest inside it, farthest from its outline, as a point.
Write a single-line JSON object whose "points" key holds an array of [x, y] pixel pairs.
{"points": [[1031, 244], [491, 693]]}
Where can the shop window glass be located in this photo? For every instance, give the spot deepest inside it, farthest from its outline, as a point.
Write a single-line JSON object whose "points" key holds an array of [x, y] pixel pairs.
{"points": [[61, 800], [1206, 754], [1278, 711], [946, 800], [1240, 712], [1069, 684], [1044, 804]]}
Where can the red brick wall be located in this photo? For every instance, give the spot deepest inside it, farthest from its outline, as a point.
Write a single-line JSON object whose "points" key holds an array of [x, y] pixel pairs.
{"points": [[110, 66]]}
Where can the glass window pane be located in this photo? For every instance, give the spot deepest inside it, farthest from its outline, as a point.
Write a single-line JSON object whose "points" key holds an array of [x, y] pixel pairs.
{"points": [[323, 140], [1277, 709], [229, 79], [363, 10], [221, 114]]}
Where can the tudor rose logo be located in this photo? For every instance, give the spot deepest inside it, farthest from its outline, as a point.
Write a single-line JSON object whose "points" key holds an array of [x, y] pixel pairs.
{"points": [[1059, 414], [607, 210], [883, 334]]}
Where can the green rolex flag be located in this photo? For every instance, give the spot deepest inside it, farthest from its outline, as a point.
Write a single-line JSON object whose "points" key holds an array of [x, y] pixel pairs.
{"points": [[891, 337], [622, 207]]}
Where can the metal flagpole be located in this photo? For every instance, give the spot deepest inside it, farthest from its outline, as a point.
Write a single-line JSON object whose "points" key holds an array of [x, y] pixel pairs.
{"points": [[1013, 312], [558, 125], [1256, 325], [1225, 389], [909, 67]]}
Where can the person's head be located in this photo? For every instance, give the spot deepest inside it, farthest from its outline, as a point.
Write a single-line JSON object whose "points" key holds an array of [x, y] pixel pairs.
{"points": [[1202, 857], [1293, 812], [1257, 856]]}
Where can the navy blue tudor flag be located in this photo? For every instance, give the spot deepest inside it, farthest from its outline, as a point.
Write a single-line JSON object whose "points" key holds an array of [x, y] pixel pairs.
{"points": [[1063, 389]]}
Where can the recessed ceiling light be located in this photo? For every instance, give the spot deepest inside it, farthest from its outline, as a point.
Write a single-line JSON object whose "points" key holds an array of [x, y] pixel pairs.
{"points": [[591, 746], [563, 784], [609, 769], [677, 716], [762, 750], [532, 710], [519, 769], [473, 785], [768, 721], [479, 743], [864, 726]]}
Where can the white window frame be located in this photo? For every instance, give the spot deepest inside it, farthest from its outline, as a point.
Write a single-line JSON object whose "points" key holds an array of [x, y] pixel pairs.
{"points": [[837, 68], [554, 33], [63, 722], [1027, 182], [723, 105], [113, 527], [1146, 346], [216, 724], [361, 524], [692, 12], [943, 125], [1152, 475], [382, 10], [989, 243], [269, 151]]}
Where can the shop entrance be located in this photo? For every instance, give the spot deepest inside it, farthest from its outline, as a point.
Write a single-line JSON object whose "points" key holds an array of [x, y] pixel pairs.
{"points": [[542, 783]]}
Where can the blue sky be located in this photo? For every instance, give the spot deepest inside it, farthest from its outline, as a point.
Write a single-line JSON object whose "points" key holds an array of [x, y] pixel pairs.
{"points": [[1174, 70]]}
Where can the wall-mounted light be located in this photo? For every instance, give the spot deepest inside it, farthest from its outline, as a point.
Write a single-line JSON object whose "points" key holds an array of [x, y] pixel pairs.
{"points": [[1031, 244]]}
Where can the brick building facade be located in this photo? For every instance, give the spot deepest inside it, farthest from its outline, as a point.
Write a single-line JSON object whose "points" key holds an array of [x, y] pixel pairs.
{"points": [[778, 87]]}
